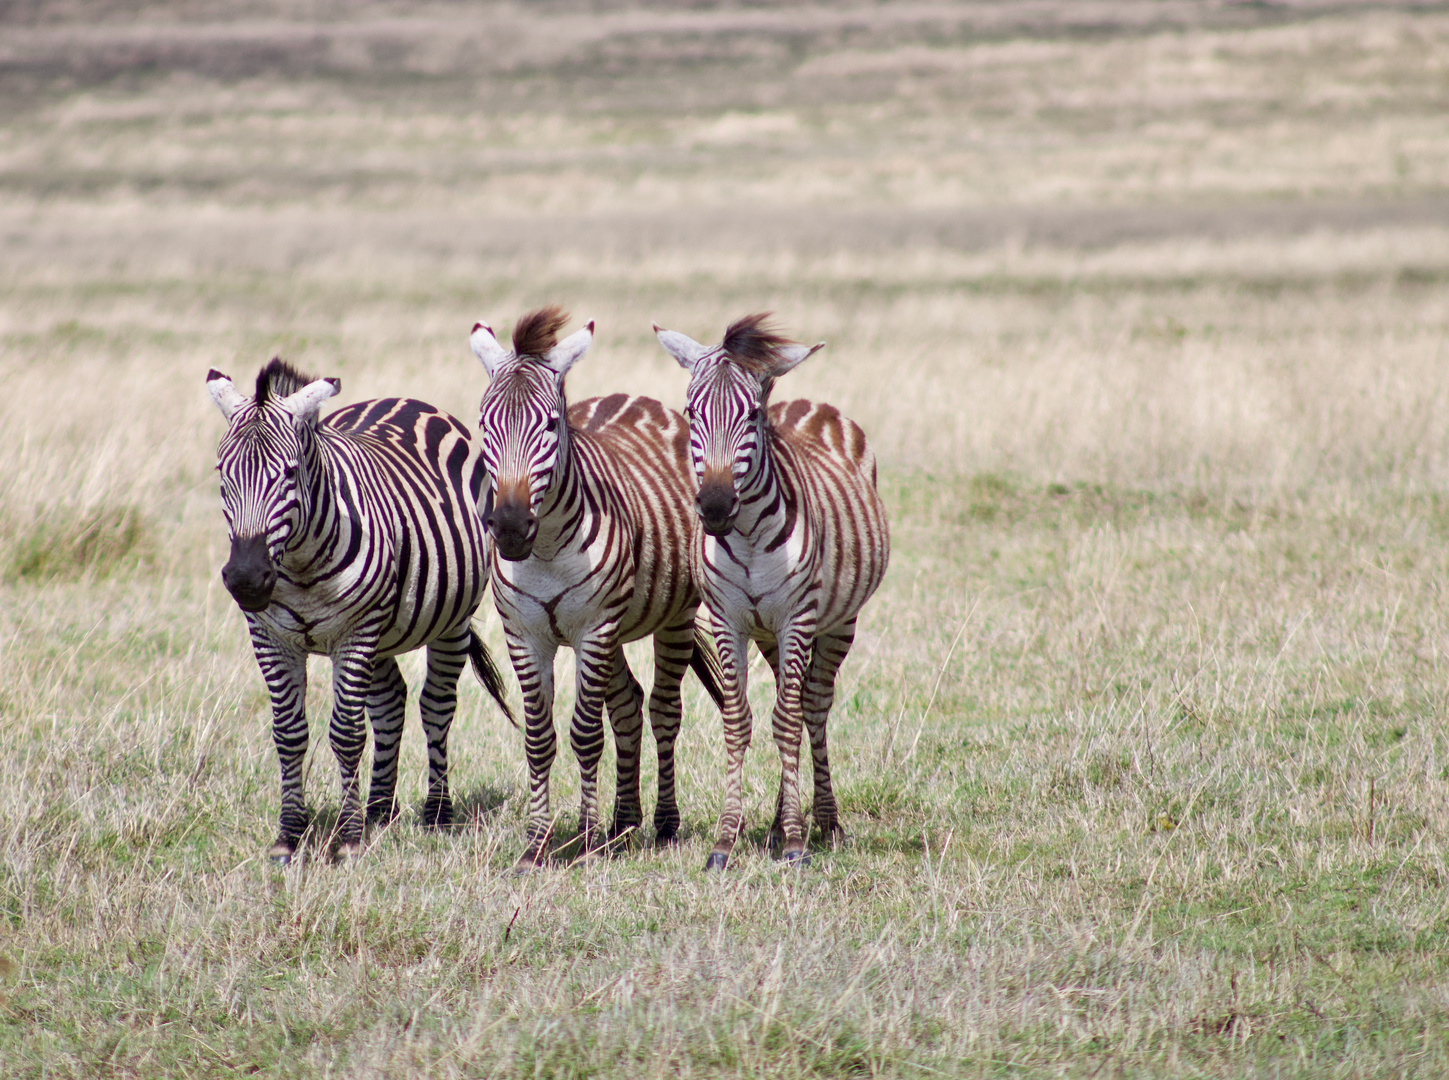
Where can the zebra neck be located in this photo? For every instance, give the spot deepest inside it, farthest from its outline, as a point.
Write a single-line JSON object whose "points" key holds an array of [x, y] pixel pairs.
{"points": [[327, 496], [558, 514]]}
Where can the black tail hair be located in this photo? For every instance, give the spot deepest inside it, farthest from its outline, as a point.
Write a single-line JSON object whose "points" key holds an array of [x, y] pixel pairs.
{"points": [[705, 662], [487, 673]]}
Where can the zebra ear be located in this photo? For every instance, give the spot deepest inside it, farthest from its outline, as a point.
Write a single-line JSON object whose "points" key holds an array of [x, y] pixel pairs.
{"points": [[789, 357], [486, 348], [303, 405], [569, 351], [680, 346], [228, 399]]}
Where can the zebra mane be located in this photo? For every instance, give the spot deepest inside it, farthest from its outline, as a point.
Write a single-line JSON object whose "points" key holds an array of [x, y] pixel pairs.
{"points": [[537, 332], [279, 379], [753, 342]]}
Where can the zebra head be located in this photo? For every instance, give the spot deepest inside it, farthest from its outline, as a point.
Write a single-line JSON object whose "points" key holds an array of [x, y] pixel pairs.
{"points": [[523, 421], [263, 461], [729, 392]]}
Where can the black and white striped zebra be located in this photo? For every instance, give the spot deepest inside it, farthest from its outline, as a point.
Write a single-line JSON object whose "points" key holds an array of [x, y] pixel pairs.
{"points": [[354, 537], [794, 541], [591, 521]]}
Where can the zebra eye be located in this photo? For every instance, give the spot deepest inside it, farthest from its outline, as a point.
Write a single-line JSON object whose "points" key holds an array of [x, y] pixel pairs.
{"points": [[754, 415], [552, 424], [289, 472]]}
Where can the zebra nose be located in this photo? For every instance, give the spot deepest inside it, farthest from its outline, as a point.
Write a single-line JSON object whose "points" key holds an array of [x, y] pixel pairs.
{"points": [[249, 575], [718, 505], [513, 529]]}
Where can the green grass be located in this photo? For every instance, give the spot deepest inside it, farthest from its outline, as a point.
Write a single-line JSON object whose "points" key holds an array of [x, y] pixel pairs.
{"points": [[1140, 748]]}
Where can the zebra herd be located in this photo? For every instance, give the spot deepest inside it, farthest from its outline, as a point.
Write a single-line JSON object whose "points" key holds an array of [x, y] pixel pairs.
{"points": [[376, 530]]}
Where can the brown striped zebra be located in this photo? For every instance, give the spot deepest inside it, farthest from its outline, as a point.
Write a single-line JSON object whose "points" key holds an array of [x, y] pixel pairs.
{"points": [[794, 542], [591, 519]]}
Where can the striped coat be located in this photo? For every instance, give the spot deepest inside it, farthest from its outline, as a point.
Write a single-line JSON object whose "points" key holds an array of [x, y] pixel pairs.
{"points": [[591, 521], [793, 542], [354, 537]]}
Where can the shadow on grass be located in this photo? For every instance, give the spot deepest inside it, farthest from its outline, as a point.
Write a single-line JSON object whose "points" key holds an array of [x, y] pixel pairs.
{"points": [[474, 805]]}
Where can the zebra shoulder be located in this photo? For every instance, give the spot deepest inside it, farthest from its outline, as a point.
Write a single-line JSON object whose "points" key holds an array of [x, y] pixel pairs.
{"points": [[817, 425]]}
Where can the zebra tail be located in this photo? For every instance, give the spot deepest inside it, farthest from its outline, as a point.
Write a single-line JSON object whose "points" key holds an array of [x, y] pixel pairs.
{"points": [[487, 673], [705, 662]]}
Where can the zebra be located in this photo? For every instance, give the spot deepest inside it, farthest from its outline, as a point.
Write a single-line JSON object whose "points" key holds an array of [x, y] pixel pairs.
{"points": [[591, 522], [354, 537], [794, 541]]}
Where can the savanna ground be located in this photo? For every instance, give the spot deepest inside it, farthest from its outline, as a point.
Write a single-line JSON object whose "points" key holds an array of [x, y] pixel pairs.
{"points": [[1141, 748]]}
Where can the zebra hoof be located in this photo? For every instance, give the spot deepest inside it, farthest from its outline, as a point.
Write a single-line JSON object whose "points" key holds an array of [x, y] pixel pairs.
{"points": [[796, 858], [716, 861], [281, 853]]}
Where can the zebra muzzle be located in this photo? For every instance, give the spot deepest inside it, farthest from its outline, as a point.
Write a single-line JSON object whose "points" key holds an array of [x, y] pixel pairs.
{"points": [[513, 528], [718, 506], [249, 575]]}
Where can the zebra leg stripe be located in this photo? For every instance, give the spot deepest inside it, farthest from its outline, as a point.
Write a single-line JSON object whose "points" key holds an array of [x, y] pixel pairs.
{"points": [[447, 657], [386, 708], [533, 663], [819, 695], [351, 679], [673, 648], [737, 723], [586, 734], [285, 674], [626, 716], [787, 724]]}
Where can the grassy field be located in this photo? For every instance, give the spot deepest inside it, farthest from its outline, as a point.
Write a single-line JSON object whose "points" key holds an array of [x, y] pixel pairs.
{"points": [[1141, 749]]}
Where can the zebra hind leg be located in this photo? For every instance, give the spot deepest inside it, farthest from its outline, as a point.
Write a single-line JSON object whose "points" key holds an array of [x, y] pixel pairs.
{"points": [[386, 704], [673, 650], [816, 700], [624, 700], [438, 702]]}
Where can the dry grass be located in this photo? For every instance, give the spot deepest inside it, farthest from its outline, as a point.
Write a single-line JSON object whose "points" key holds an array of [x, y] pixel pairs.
{"points": [[1141, 749]]}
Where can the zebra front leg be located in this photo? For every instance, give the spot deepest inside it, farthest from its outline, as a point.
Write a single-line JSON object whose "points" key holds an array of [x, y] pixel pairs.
{"points": [[819, 695], [386, 707], [787, 723], [285, 674], [533, 664], [626, 716], [673, 649], [438, 702], [594, 669], [352, 666], [737, 722]]}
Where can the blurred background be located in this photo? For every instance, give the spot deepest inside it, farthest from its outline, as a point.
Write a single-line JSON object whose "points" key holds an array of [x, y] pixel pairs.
{"points": [[1152, 241]]}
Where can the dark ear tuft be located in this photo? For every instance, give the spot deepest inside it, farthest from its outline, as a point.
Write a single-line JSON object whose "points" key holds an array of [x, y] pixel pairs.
{"points": [[214, 374], [280, 379], [537, 332], [753, 342]]}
